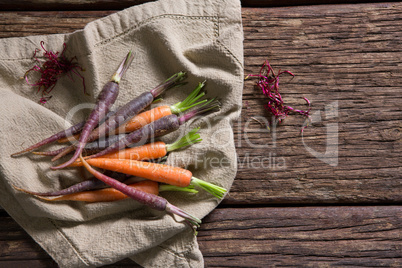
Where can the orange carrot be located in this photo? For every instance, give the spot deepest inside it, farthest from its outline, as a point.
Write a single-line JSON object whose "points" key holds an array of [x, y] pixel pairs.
{"points": [[107, 194], [156, 113], [145, 152], [151, 150], [153, 201], [144, 118], [69, 138], [121, 115], [111, 194], [156, 172], [134, 123], [152, 115]]}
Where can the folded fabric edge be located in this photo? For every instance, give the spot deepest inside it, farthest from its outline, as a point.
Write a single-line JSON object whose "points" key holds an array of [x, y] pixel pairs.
{"points": [[74, 259], [191, 257], [45, 233]]}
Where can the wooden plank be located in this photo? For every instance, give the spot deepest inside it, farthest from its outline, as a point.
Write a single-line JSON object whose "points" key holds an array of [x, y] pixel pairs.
{"points": [[303, 236], [18, 249], [346, 55], [17, 24], [52, 5], [349, 55], [266, 237]]}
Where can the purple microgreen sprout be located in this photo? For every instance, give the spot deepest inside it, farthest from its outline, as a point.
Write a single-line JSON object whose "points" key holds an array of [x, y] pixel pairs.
{"points": [[50, 70], [269, 84]]}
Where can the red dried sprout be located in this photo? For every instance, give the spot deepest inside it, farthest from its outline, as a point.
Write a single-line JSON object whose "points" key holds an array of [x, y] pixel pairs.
{"points": [[269, 84], [51, 70]]}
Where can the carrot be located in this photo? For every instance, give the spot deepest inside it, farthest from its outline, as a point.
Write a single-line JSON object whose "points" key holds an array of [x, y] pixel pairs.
{"points": [[152, 150], [92, 184], [111, 194], [153, 201], [90, 148], [105, 100], [158, 172], [158, 128], [107, 194], [144, 119], [87, 185], [136, 105], [62, 134], [69, 138], [149, 116], [75, 137], [128, 110]]}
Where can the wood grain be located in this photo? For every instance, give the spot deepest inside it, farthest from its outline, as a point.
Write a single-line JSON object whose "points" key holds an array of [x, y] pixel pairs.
{"points": [[349, 55], [54, 5], [346, 54], [267, 237], [303, 236]]}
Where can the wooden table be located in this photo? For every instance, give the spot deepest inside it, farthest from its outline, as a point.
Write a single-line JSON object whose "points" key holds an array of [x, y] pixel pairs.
{"points": [[331, 197]]}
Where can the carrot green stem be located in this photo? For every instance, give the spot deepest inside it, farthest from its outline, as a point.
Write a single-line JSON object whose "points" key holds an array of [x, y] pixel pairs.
{"points": [[153, 201], [169, 188], [213, 189], [123, 67], [189, 102], [157, 100], [208, 107], [173, 81], [191, 138]]}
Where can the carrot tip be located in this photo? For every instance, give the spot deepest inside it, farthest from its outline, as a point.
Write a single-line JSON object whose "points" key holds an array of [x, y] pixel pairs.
{"points": [[193, 221], [123, 67], [21, 190], [35, 194], [14, 155]]}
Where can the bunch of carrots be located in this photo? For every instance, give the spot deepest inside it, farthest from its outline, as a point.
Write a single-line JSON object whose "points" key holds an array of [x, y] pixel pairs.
{"points": [[120, 143]]}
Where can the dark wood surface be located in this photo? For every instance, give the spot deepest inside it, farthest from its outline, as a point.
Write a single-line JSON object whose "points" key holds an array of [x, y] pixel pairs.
{"points": [[287, 206]]}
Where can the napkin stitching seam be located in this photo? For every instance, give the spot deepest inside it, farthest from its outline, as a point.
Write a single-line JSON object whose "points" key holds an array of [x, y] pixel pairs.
{"points": [[177, 17], [228, 52], [77, 252]]}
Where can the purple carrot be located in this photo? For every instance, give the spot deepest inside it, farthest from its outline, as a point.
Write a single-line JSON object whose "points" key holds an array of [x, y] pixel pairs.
{"points": [[158, 128], [150, 200], [94, 183], [91, 184], [129, 110], [105, 100], [135, 106], [62, 134], [69, 132], [90, 147]]}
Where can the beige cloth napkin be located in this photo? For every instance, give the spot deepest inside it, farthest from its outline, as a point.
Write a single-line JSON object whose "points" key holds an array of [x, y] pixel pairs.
{"points": [[203, 38]]}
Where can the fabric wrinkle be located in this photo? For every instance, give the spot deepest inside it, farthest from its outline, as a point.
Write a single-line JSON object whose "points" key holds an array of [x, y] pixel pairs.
{"points": [[203, 38]]}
